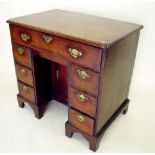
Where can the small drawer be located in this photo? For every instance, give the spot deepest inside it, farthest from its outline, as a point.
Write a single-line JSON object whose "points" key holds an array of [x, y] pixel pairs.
{"points": [[84, 79], [26, 91], [33, 38], [83, 102], [24, 74], [86, 55], [81, 121], [22, 55]]}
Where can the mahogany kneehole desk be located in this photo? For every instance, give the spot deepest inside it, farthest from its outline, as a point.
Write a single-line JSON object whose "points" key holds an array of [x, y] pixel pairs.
{"points": [[83, 61]]}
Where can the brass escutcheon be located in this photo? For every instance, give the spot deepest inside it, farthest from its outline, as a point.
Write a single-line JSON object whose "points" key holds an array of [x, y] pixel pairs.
{"points": [[47, 38], [25, 89], [82, 98], [74, 52], [20, 50], [83, 74], [25, 37], [80, 118], [22, 71]]}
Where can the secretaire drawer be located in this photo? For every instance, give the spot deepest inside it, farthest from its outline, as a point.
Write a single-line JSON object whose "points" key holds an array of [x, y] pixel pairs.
{"points": [[84, 79], [81, 121], [24, 74], [79, 53], [22, 55], [26, 91], [82, 102]]}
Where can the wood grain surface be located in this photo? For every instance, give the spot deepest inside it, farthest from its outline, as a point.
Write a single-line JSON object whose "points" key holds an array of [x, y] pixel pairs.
{"points": [[97, 31]]}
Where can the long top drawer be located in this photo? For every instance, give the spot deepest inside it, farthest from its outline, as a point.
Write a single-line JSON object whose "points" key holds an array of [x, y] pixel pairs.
{"points": [[85, 55]]}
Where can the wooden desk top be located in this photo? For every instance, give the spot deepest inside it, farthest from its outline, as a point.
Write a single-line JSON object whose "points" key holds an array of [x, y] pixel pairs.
{"points": [[97, 31]]}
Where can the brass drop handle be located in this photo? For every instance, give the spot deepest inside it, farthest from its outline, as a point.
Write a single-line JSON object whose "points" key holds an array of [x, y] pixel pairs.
{"points": [[74, 52], [25, 37], [83, 74], [82, 98], [80, 118], [47, 38], [22, 71], [25, 89], [20, 50]]}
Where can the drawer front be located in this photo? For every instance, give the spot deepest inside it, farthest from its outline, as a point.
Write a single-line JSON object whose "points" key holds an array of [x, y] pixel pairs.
{"points": [[85, 79], [82, 122], [79, 53], [22, 55], [82, 54], [26, 91], [83, 102], [24, 74]]}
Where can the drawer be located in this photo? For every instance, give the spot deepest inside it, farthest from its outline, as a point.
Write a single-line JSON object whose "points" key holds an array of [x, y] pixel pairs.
{"points": [[84, 79], [82, 54], [22, 55], [76, 52], [26, 91], [24, 74], [83, 102], [81, 121]]}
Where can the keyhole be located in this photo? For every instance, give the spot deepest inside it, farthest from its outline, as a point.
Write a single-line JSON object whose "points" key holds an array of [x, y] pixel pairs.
{"points": [[57, 74]]}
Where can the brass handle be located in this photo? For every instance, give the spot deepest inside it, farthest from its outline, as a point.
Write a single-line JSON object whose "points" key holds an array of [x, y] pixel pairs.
{"points": [[80, 118], [25, 89], [22, 71], [20, 50], [47, 38], [25, 37], [82, 98], [74, 52], [83, 74]]}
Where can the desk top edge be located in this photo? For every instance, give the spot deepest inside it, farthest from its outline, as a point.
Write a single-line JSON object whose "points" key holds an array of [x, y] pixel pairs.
{"points": [[83, 31]]}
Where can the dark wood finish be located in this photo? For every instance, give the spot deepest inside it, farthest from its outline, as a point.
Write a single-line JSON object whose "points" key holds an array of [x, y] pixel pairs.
{"points": [[43, 83], [93, 30], [59, 46], [87, 125], [95, 139], [61, 82], [38, 110], [87, 106], [24, 74], [47, 85], [84, 84], [51, 56], [115, 78], [91, 56], [20, 101], [83, 61], [23, 59], [26, 91]]}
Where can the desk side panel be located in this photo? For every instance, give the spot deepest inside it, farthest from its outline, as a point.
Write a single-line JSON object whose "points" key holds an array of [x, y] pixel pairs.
{"points": [[115, 78]]}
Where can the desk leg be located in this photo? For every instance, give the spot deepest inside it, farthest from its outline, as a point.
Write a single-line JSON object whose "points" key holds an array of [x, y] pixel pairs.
{"points": [[38, 109], [95, 139], [20, 101]]}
